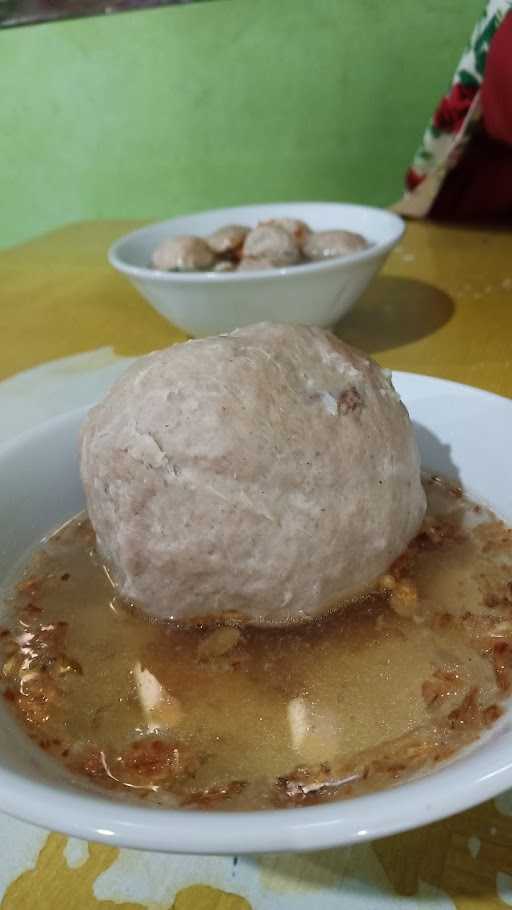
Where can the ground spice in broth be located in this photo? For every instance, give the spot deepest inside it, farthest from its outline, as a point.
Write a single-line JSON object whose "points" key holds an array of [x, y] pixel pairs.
{"points": [[229, 717]]}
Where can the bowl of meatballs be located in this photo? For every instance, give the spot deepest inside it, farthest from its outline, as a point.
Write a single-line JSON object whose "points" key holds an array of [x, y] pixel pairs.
{"points": [[222, 269]]}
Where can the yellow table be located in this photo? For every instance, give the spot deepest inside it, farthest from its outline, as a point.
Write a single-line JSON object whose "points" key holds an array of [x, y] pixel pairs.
{"points": [[443, 306]]}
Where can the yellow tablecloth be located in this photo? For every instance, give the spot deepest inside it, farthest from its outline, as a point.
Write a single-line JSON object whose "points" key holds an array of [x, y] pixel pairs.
{"points": [[443, 306]]}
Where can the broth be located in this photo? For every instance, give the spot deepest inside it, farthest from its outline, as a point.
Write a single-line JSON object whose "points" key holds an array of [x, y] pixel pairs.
{"points": [[232, 717]]}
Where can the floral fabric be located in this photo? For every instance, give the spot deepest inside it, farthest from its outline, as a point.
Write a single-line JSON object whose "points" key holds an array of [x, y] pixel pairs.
{"points": [[454, 120]]}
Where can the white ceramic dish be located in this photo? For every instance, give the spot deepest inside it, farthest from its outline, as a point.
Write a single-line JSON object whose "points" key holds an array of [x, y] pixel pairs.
{"points": [[205, 303], [464, 433]]}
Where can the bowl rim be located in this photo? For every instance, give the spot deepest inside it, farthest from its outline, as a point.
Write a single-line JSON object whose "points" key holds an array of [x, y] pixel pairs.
{"points": [[473, 777], [86, 815], [375, 250]]}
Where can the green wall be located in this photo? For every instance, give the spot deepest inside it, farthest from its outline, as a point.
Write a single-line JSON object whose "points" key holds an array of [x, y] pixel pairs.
{"points": [[154, 113]]}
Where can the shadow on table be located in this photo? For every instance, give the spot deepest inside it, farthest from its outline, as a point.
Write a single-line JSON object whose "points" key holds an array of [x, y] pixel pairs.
{"points": [[461, 858], [320, 874], [393, 312], [436, 456]]}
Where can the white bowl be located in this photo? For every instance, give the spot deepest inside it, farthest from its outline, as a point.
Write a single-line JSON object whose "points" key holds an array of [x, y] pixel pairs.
{"points": [[464, 433], [205, 303]]}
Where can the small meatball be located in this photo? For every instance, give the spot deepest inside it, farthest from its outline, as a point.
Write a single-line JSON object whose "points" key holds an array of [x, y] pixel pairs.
{"points": [[248, 264], [229, 240], [183, 254], [273, 243], [225, 265], [294, 226], [331, 244]]}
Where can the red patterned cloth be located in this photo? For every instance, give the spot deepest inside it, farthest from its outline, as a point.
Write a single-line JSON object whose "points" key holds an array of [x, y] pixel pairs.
{"points": [[463, 169], [480, 186]]}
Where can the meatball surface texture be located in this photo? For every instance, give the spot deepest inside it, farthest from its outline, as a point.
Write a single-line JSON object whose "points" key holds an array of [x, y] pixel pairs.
{"points": [[264, 475]]}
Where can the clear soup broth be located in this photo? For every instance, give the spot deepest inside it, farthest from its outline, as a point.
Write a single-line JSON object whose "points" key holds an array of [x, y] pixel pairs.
{"points": [[228, 717]]}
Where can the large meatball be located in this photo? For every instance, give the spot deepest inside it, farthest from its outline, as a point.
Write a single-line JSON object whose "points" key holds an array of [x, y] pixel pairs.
{"points": [[263, 474]]}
